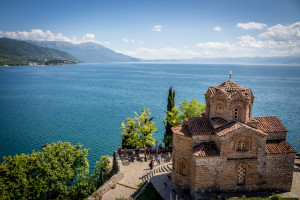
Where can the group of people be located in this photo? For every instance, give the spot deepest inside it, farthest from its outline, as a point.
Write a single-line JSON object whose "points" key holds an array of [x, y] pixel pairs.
{"points": [[158, 160], [147, 151]]}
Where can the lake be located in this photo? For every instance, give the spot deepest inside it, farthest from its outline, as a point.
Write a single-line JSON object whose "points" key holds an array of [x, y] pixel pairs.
{"points": [[87, 103]]}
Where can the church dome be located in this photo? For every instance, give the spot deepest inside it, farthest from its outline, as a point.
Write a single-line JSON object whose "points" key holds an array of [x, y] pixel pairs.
{"points": [[229, 89]]}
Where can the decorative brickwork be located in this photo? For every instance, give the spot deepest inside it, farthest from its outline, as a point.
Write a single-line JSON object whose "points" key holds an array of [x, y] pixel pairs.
{"points": [[226, 149]]}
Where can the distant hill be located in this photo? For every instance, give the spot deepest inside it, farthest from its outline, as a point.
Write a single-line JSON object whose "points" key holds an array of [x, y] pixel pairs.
{"points": [[16, 52], [87, 52], [289, 60]]}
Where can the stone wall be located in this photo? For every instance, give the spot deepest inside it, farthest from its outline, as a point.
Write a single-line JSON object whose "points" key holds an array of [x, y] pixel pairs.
{"points": [[277, 136], [207, 173], [111, 182], [221, 172], [198, 139], [220, 106], [279, 171], [182, 161]]}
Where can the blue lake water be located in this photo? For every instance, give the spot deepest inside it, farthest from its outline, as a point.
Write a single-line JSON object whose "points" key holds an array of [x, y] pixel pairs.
{"points": [[87, 103]]}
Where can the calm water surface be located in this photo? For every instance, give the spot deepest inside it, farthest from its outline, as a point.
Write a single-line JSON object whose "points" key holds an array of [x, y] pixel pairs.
{"points": [[87, 103]]}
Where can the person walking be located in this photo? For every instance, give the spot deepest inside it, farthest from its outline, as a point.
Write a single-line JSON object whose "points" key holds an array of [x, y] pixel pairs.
{"points": [[158, 159], [119, 150], [151, 164], [169, 157]]}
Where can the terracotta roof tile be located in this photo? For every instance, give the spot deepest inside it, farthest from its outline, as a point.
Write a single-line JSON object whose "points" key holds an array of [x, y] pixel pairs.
{"points": [[230, 89], [200, 125], [181, 130], [206, 149], [269, 124], [252, 120], [275, 147], [219, 121], [234, 126]]}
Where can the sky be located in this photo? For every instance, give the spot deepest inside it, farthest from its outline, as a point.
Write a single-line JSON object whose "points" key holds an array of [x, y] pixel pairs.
{"points": [[161, 29]]}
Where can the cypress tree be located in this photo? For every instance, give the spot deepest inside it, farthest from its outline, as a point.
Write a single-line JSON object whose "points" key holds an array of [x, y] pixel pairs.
{"points": [[168, 137]]}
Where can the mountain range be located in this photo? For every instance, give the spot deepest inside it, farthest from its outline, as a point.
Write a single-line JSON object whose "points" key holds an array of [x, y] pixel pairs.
{"points": [[20, 52], [87, 52], [289, 60], [17, 52]]}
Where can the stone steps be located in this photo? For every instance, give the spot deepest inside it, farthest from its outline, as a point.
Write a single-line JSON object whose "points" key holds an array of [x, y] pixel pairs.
{"points": [[297, 163], [161, 169]]}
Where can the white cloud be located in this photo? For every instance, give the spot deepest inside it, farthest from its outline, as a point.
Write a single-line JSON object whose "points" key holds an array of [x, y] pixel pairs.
{"points": [[61, 37], [215, 45], [157, 28], [125, 40], [162, 53], [141, 42], [283, 33], [129, 41], [1, 34], [40, 35], [218, 29], [278, 40], [251, 25], [248, 41], [88, 37], [12, 35]]}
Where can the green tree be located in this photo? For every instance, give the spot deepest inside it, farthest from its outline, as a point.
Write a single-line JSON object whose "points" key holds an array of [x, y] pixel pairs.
{"points": [[168, 137], [59, 172], [137, 131], [191, 109], [185, 110], [129, 135], [104, 166]]}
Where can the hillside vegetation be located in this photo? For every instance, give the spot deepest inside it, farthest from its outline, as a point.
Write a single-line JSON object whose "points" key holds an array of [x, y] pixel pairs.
{"points": [[16, 52]]}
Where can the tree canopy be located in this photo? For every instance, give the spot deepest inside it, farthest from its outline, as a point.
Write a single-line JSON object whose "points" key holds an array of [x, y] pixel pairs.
{"points": [[171, 104], [137, 131], [59, 172], [185, 110]]}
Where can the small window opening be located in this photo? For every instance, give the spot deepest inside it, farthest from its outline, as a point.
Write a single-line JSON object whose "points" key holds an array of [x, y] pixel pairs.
{"points": [[236, 113], [241, 178], [242, 146], [249, 111], [182, 168]]}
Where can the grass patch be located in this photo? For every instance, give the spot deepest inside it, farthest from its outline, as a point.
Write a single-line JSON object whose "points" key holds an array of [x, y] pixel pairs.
{"points": [[140, 184], [150, 193], [259, 198]]}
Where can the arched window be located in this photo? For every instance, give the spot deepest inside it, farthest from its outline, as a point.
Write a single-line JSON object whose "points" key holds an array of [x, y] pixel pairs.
{"points": [[236, 113], [241, 175], [242, 146], [183, 167], [249, 111]]}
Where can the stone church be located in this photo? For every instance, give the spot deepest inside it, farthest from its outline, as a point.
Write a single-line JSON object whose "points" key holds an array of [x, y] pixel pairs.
{"points": [[226, 149]]}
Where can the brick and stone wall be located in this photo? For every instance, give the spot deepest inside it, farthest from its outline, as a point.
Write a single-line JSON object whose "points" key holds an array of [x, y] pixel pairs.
{"points": [[279, 171], [277, 136], [182, 161], [208, 171]]}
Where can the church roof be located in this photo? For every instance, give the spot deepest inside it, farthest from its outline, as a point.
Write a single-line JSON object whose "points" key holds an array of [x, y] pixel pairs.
{"points": [[206, 149], [181, 130], [269, 124], [203, 126], [194, 126], [229, 89], [276, 147], [199, 125], [223, 130]]}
